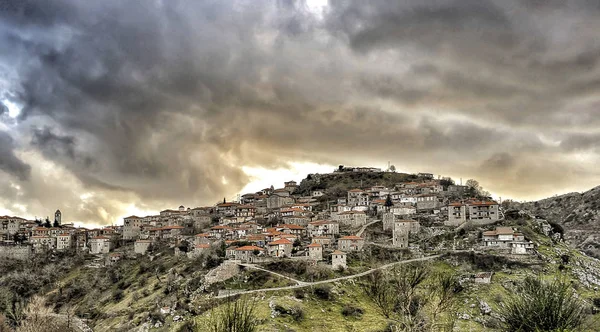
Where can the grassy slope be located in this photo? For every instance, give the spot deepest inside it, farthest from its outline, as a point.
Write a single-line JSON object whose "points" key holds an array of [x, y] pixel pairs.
{"points": [[140, 299]]}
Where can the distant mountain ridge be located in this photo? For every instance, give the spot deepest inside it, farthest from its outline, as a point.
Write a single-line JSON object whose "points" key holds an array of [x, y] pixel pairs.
{"points": [[578, 213]]}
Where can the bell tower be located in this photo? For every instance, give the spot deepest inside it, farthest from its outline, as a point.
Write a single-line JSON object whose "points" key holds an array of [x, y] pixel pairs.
{"points": [[57, 217]]}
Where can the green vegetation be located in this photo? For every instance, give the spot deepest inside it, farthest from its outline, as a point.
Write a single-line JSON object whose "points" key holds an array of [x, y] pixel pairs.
{"points": [[233, 316], [538, 305]]}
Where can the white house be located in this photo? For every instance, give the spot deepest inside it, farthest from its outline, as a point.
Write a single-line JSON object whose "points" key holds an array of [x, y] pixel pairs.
{"points": [[338, 260], [100, 245]]}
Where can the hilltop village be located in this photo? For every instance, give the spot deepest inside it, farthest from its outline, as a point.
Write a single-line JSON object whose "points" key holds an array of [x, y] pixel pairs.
{"points": [[314, 221]]}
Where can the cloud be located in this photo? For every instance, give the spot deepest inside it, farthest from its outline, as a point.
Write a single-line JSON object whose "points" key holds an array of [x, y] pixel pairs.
{"points": [[9, 162], [164, 103]]}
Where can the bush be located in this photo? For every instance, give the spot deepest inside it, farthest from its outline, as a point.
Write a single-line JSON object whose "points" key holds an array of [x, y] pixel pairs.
{"points": [[238, 316], [117, 295], [351, 311], [323, 292], [537, 305], [297, 313], [299, 293]]}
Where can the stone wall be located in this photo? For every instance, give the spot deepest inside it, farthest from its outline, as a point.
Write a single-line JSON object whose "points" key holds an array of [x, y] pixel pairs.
{"points": [[228, 269], [15, 252]]}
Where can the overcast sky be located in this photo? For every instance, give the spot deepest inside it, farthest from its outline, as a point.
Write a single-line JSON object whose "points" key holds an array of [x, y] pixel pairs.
{"points": [[116, 107]]}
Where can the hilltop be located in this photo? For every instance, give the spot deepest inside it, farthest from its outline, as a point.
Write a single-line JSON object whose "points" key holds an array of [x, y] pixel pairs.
{"points": [[338, 183], [579, 215]]}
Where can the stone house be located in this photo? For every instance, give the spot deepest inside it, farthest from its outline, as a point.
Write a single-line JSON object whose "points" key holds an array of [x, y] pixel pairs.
{"points": [[403, 209], [507, 238], [457, 214], [472, 210], [202, 238], [248, 253], [227, 208], [64, 241], [483, 210], [230, 251], [290, 186], [351, 243], [317, 193], [131, 227], [315, 251], [324, 241], [351, 218], [279, 199], [338, 260], [357, 197], [427, 202], [280, 248], [199, 249], [296, 220], [323, 228], [292, 229], [41, 242], [100, 245], [245, 211]]}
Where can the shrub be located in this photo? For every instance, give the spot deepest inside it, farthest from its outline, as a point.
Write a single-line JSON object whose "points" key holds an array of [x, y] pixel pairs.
{"points": [[117, 295], [323, 292], [297, 313], [238, 316], [352, 311], [537, 305], [299, 293]]}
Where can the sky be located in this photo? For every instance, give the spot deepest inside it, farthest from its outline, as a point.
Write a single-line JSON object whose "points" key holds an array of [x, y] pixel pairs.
{"points": [[110, 108]]}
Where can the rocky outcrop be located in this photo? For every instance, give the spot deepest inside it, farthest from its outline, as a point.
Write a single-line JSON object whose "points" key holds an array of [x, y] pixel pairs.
{"points": [[228, 269]]}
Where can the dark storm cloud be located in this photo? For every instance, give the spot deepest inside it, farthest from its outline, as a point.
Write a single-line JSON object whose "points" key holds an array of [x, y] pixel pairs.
{"points": [[163, 102], [9, 162]]}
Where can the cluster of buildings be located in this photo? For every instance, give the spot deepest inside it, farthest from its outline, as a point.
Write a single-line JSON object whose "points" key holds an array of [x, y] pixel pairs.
{"points": [[47, 235], [276, 223]]}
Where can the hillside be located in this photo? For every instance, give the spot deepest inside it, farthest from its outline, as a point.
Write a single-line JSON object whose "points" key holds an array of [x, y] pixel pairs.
{"points": [[337, 184], [129, 295], [578, 213]]}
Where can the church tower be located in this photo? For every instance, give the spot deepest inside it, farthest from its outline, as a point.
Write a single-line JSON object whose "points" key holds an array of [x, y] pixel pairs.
{"points": [[57, 217]]}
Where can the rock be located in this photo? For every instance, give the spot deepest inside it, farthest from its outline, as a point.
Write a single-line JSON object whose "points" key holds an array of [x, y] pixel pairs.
{"points": [[464, 316], [484, 308], [177, 318]]}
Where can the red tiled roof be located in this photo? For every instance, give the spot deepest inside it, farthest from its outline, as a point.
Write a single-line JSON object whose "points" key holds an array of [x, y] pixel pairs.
{"points": [[322, 222], [314, 245], [351, 237], [280, 241], [221, 227], [249, 248], [203, 246], [292, 226]]}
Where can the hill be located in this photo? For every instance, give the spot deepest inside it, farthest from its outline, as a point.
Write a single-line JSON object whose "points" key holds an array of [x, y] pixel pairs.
{"points": [[577, 213], [167, 293], [337, 184]]}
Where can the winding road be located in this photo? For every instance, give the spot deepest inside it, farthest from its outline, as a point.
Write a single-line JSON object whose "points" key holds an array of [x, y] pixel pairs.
{"points": [[309, 284]]}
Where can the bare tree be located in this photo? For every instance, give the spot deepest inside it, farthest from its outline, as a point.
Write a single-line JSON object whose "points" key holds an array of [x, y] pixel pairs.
{"points": [[39, 317]]}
